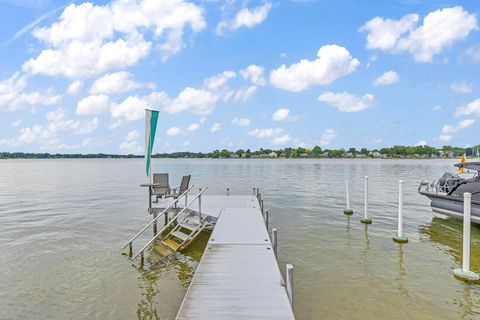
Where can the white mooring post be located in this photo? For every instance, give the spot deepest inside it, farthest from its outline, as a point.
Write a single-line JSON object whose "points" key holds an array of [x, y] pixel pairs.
{"points": [[274, 240], [400, 238], [347, 211], [465, 273], [254, 191], [365, 212], [289, 276]]}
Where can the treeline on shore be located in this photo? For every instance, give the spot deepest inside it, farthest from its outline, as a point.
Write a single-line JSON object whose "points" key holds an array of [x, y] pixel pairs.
{"points": [[316, 152]]}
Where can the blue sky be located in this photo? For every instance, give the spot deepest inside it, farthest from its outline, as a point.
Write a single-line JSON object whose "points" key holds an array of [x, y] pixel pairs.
{"points": [[76, 76]]}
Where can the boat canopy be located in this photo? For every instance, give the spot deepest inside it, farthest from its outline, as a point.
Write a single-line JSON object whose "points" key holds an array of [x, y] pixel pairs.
{"points": [[469, 165]]}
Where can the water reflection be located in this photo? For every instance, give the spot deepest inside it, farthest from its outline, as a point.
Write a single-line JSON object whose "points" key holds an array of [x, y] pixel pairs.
{"points": [[366, 264], [402, 274], [349, 233], [447, 235], [179, 267]]}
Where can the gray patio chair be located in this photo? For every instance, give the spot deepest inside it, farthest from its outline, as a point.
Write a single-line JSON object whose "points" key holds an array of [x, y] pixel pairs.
{"points": [[162, 189], [183, 187]]}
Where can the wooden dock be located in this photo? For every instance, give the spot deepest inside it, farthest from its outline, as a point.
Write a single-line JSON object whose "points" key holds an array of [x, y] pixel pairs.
{"points": [[238, 276]]}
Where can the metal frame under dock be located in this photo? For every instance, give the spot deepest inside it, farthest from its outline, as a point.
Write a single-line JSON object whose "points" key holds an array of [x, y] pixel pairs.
{"points": [[238, 276]]}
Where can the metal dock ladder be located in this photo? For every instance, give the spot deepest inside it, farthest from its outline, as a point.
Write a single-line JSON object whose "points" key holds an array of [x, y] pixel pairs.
{"points": [[177, 239], [185, 232]]}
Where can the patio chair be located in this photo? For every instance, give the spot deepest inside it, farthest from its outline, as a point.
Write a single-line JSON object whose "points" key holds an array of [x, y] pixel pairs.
{"points": [[162, 189], [183, 187]]}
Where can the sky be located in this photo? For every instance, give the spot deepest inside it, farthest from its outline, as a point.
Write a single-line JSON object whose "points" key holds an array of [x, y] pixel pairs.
{"points": [[76, 77]]}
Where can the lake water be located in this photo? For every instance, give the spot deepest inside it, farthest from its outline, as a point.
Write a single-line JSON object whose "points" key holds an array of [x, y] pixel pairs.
{"points": [[63, 222]]}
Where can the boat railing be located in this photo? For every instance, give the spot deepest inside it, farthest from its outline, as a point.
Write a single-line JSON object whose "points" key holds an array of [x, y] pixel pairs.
{"points": [[175, 201], [199, 197]]}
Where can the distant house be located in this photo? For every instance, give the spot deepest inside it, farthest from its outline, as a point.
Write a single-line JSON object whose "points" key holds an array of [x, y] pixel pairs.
{"points": [[324, 155], [303, 155], [272, 154], [234, 155], [348, 154]]}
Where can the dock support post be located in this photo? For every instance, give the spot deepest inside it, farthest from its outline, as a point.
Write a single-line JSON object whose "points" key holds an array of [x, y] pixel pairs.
{"points": [[400, 238], [228, 191], [155, 223], [289, 276], [274, 241], [347, 211], [465, 273], [365, 213], [261, 206], [200, 206], [142, 259], [130, 249], [266, 219], [254, 193]]}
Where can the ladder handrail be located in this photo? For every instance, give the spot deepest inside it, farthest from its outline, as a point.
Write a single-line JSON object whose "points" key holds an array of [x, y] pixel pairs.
{"points": [[169, 223], [155, 219]]}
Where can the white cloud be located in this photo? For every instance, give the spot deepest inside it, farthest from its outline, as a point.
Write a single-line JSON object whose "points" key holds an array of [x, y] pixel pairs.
{"points": [[437, 108], [216, 127], [75, 87], [281, 140], [174, 131], [471, 108], [202, 120], [440, 29], [132, 108], [266, 133], [130, 144], [131, 147], [473, 53], [346, 102], [461, 87], [255, 74], [387, 78], [13, 96], [198, 101], [244, 94], [88, 39], [186, 143], [448, 130], [421, 143], [132, 135], [277, 136], [241, 121], [193, 127], [219, 81], [47, 135], [114, 83], [77, 59], [16, 123], [333, 62], [327, 137], [245, 18], [281, 114], [226, 142], [92, 105]]}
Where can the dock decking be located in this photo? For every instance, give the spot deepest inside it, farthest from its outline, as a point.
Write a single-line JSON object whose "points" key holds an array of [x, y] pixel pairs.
{"points": [[238, 276]]}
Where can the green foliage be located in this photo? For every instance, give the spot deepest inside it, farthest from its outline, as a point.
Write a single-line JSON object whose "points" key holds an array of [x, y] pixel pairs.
{"points": [[393, 152]]}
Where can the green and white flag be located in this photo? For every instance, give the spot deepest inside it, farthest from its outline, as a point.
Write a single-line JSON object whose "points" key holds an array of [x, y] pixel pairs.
{"points": [[151, 117]]}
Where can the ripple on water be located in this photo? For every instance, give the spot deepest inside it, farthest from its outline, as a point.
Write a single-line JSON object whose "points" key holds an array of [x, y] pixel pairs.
{"points": [[62, 223]]}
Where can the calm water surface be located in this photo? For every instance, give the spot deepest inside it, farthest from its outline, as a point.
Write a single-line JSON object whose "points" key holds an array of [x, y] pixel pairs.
{"points": [[62, 223]]}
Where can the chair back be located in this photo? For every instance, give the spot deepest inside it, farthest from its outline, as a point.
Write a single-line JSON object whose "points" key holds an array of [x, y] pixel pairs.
{"points": [[162, 180], [184, 184]]}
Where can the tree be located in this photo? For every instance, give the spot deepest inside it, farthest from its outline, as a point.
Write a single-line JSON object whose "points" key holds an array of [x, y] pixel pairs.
{"points": [[317, 150]]}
